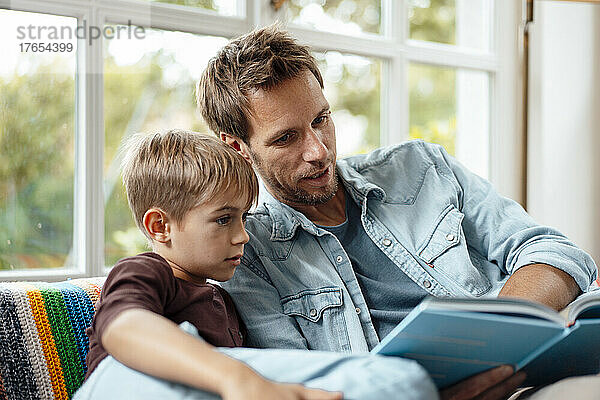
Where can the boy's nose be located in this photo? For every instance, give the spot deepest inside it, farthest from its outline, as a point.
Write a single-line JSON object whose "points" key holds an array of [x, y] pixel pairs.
{"points": [[241, 236]]}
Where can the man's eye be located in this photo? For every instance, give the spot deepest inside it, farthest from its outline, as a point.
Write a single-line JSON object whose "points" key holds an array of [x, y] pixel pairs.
{"points": [[322, 118], [283, 139], [223, 220]]}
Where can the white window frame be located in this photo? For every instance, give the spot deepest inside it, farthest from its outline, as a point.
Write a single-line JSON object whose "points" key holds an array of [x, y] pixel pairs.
{"points": [[502, 62]]}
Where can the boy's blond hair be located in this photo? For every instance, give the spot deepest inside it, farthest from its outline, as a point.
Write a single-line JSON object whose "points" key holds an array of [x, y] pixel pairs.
{"points": [[178, 170]]}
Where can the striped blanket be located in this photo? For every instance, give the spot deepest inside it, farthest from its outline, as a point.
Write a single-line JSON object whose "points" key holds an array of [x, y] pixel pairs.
{"points": [[43, 344]]}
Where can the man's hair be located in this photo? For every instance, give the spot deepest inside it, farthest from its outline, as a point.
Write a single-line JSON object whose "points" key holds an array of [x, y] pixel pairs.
{"points": [[178, 170], [261, 59]]}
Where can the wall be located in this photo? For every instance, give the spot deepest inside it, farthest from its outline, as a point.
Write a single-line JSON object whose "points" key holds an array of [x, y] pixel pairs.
{"points": [[564, 129]]}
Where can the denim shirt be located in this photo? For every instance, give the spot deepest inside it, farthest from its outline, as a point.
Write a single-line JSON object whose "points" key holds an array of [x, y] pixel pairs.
{"points": [[443, 226]]}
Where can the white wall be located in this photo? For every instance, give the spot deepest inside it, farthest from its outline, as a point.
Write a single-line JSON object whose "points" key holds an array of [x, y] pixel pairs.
{"points": [[564, 130]]}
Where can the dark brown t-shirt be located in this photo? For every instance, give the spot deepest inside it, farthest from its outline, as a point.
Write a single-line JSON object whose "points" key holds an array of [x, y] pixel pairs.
{"points": [[146, 281]]}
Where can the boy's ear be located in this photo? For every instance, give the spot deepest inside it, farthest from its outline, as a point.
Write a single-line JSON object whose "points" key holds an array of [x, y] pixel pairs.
{"points": [[237, 144], [157, 225]]}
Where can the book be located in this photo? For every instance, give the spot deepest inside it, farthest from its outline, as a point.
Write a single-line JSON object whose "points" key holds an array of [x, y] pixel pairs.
{"points": [[454, 338]]}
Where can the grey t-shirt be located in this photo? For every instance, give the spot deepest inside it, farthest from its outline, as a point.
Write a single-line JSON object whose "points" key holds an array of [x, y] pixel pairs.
{"points": [[390, 294]]}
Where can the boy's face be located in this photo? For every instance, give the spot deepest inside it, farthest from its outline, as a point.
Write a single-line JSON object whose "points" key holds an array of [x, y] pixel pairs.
{"points": [[209, 242]]}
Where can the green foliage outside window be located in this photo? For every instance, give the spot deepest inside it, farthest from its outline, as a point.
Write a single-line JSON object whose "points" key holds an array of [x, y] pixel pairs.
{"points": [[432, 20], [432, 103], [37, 116], [364, 13], [432, 90], [356, 89]]}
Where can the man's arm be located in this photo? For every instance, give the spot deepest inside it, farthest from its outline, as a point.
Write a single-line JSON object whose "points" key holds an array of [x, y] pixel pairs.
{"points": [[494, 384], [542, 283], [500, 230]]}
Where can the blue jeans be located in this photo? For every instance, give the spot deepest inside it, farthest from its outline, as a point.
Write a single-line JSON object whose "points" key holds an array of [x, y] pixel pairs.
{"points": [[359, 377]]}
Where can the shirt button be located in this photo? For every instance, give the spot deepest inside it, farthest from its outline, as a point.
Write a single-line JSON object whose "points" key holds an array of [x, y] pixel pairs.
{"points": [[387, 242], [339, 259], [357, 310], [313, 312], [427, 284], [449, 237]]}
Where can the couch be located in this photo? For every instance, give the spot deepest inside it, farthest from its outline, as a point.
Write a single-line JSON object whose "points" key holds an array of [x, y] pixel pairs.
{"points": [[43, 344]]}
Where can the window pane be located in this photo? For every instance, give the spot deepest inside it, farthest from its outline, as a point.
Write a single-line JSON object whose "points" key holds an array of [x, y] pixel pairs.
{"points": [[451, 107], [148, 86], [341, 16], [352, 87], [463, 23], [37, 141], [224, 7]]}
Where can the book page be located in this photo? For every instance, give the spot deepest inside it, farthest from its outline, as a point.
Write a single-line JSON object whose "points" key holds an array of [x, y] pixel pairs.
{"points": [[503, 305], [587, 306]]}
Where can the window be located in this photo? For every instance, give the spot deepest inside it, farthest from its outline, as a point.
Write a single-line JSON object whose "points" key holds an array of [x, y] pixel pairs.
{"points": [[439, 70], [224, 7], [37, 147], [353, 89], [347, 17], [462, 23], [451, 107]]}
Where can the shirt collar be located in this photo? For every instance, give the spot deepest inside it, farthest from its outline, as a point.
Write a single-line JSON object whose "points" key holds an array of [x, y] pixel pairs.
{"points": [[285, 219]]}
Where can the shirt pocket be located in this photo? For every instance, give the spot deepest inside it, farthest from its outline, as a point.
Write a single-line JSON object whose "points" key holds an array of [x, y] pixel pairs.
{"points": [[311, 304], [319, 315], [445, 250]]}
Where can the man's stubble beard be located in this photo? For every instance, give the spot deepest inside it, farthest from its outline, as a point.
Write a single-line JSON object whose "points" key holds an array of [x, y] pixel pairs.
{"points": [[294, 195]]}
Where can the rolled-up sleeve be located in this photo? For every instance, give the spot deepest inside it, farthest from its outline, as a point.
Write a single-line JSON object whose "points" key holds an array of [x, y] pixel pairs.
{"points": [[501, 230]]}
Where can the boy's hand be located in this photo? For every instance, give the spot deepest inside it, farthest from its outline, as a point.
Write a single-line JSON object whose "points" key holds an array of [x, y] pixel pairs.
{"points": [[258, 388]]}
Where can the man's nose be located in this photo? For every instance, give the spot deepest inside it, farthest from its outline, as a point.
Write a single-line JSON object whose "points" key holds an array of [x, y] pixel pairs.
{"points": [[314, 148]]}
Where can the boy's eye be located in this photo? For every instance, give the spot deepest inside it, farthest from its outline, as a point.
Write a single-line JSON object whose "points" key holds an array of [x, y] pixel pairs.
{"points": [[244, 216], [223, 220]]}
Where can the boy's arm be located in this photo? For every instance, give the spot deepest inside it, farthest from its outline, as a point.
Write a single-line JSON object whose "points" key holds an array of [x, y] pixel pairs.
{"points": [[154, 345]]}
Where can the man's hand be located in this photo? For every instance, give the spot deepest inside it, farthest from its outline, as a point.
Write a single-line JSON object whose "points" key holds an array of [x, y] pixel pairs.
{"points": [[542, 283], [497, 383]]}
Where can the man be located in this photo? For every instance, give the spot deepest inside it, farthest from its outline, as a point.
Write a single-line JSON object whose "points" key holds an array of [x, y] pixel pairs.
{"points": [[341, 251]]}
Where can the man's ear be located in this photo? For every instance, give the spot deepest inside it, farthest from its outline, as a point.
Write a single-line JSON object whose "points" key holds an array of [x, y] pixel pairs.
{"points": [[157, 225], [237, 144]]}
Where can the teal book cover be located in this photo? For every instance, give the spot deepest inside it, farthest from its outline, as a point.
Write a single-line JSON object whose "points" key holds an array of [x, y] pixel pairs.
{"points": [[455, 338]]}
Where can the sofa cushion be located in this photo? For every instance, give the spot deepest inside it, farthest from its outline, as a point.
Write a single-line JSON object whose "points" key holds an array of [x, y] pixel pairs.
{"points": [[43, 344]]}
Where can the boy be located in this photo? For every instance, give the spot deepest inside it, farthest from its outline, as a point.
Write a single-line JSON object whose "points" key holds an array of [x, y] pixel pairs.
{"points": [[190, 194]]}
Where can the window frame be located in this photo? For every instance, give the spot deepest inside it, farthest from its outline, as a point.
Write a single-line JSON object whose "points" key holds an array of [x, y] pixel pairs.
{"points": [[503, 63]]}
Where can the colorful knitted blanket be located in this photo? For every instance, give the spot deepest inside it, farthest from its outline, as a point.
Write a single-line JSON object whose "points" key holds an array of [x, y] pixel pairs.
{"points": [[43, 344]]}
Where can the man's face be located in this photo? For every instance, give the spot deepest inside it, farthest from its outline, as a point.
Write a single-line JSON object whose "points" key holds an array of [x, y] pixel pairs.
{"points": [[292, 141]]}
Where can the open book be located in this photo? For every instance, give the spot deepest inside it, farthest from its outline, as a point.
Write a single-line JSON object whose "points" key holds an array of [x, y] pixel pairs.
{"points": [[454, 338]]}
